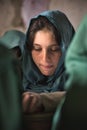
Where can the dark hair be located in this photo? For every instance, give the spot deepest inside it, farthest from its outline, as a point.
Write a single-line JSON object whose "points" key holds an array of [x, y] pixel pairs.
{"points": [[39, 24]]}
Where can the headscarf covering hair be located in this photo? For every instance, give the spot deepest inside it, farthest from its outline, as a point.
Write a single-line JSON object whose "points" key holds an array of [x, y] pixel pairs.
{"points": [[13, 38]]}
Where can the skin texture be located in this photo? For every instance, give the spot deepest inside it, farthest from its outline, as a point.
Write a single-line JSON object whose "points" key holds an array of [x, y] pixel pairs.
{"points": [[46, 52], [44, 102], [32, 102]]}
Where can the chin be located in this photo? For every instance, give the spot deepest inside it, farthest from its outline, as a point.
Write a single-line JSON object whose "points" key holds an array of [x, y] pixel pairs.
{"points": [[47, 74]]}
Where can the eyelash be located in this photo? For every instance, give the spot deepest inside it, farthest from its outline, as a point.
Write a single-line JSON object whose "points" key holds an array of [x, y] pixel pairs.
{"points": [[50, 49], [36, 49]]}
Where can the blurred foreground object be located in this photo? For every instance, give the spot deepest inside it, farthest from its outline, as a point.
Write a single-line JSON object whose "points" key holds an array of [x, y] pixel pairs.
{"points": [[72, 112]]}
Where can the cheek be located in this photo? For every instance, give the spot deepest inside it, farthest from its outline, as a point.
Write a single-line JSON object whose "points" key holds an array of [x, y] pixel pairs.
{"points": [[35, 56], [56, 59]]}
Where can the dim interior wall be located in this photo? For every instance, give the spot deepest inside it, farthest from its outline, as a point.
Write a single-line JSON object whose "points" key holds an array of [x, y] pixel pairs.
{"points": [[16, 14], [32, 8], [10, 15], [74, 9]]}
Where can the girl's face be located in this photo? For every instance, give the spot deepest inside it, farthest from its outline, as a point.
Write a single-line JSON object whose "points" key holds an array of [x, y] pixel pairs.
{"points": [[46, 52]]}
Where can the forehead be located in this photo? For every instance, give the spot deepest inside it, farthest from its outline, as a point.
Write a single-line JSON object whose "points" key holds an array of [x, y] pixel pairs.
{"points": [[44, 38]]}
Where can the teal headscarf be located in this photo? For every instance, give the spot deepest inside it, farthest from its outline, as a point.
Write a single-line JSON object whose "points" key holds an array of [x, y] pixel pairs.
{"points": [[33, 80], [10, 92], [13, 38], [72, 112]]}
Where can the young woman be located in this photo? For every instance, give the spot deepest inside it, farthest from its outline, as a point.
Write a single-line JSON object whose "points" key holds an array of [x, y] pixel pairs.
{"points": [[47, 39]]}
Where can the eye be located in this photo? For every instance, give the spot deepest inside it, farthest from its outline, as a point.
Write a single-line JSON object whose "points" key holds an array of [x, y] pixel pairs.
{"points": [[37, 48], [54, 49]]}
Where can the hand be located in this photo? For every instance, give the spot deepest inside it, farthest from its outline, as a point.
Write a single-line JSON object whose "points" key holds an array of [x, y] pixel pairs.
{"points": [[31, 102]]}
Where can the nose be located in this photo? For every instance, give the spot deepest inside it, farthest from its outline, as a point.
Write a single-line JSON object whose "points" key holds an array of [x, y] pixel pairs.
{"points": [[45, 56]]}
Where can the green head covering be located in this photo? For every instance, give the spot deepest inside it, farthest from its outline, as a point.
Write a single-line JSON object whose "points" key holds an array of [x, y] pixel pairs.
{"points": [[10, 94], [13, 38]]}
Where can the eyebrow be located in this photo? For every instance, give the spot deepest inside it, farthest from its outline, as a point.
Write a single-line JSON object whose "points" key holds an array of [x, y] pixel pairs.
{"points": [[48, 46]]}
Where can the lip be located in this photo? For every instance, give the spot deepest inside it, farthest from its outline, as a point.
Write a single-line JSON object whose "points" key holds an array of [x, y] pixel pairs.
{"points": [[47, 66]]}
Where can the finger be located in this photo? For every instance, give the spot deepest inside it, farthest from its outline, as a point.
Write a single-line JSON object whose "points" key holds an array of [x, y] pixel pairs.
{"points": [[27, 99]]}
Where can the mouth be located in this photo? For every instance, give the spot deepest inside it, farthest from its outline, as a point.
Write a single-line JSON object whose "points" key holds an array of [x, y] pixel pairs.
{"points": [[46, 67]]}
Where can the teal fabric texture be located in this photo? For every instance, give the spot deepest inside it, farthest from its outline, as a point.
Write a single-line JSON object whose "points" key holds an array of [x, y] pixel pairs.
{"points": [[13, 38], [76, 58]]}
